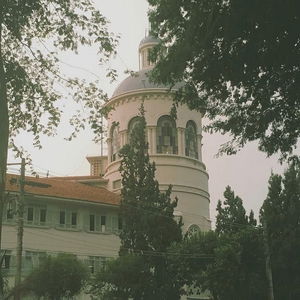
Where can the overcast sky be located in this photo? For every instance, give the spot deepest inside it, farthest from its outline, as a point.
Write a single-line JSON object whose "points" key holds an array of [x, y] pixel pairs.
{"points": [[247, 172]]}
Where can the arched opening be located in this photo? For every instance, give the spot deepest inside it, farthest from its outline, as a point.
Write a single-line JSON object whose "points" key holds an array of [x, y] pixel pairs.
{"points": [[115, 142], [191, 140], [166, 136], [132, 123], [193, 230]]}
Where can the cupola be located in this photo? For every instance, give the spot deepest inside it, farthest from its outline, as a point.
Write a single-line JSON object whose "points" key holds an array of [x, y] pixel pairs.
{"points": [[144, 48]]}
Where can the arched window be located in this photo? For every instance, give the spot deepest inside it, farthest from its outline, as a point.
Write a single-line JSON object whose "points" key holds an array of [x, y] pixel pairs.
{"points": [[133, 122], [193, 230], [191, 140], [115, 142], [166, 135]]}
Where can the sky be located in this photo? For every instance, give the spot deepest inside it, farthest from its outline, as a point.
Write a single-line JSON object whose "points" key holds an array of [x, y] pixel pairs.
{"points": [[246, 172]]}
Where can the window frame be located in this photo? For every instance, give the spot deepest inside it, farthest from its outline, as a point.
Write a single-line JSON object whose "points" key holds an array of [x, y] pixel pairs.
{"points": [[192, 127], [162, 134], [115, 142]]}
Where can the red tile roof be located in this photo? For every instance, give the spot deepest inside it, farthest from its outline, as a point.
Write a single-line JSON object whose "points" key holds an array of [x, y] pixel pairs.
{"points": [[62, 188], [77, 178]]}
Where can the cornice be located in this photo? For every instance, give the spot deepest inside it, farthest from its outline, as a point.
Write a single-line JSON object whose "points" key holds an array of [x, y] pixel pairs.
{"points": [[139, 95]]}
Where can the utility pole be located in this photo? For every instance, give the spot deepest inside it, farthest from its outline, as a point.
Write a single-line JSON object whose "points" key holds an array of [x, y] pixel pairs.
{"points": [[268, 262], [20, 223]]}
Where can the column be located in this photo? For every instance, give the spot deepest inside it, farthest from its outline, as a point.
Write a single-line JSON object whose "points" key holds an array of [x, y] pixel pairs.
{"points": [[108, 141], [122, 138], [151, 139], [199, 146], [181, 141], [153, 136]]}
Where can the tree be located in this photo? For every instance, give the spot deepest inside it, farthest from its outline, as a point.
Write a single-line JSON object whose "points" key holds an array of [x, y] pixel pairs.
{"points": [[148, 229], [239, 252], [239, 62], [232, 216], [32, 34], [281, 215], [57, 277], [227, 262]]}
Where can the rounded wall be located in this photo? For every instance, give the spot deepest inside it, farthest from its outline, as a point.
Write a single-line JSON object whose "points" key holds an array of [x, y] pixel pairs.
{"points": [[187, 175], [156, 104]]}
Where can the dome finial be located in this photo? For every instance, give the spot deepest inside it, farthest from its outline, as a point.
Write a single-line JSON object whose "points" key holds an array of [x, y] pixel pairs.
{"points": [[146, 44]]}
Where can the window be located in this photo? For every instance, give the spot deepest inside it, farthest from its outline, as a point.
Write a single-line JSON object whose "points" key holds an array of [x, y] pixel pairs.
{"points": [[36, 215], [30, 214], [62, 217], [115, 142], [132, 124], [33, 259], [166, 135], [192, 230], [9, 214], [74, 219], [6, 260], [10, 210], [68, 219], [112, 223], [191, 140], [42, 216], [103, 223], [97, 223], [120, 223], [92, 222]]}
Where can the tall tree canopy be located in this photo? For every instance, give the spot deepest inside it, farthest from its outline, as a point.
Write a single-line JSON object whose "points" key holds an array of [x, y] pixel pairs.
{"points": [[142, 271], [56, 277], [281, 215], [240, 61], [32, 34], [227, 262]]}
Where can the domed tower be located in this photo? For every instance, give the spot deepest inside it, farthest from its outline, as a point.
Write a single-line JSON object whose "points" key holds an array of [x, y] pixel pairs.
{"points": [[174, 146]]}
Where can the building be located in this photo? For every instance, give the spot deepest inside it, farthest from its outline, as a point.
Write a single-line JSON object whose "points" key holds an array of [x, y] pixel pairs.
{"points": [[174, 145], [80, 214], [68, 214]]}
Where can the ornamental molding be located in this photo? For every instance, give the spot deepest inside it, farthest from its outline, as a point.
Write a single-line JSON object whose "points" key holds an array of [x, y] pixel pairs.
{"points": [[134, 96]]}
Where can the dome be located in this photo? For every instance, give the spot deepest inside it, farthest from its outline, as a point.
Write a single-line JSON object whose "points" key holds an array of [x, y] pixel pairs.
{"points": [[148, 40], [138, 82]]}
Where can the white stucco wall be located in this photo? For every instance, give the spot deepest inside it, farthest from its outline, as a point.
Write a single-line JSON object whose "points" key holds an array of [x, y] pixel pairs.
{"points": [[187, 175]]}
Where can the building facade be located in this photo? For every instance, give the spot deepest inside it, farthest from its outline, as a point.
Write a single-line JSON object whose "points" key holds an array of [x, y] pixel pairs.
{"points": [[61, 215], [79, 215], [174, 145]]}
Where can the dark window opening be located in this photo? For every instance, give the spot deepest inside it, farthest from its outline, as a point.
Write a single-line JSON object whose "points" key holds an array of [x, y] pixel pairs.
{"points": [[62, 217], [42, 215], [103, 220], [120, 223], [9, 214], [6, 261], [74, 219], [92, 222], [30, 214]]}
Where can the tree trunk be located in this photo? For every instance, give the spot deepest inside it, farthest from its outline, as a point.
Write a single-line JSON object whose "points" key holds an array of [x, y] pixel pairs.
{"points": [[4, 126]]}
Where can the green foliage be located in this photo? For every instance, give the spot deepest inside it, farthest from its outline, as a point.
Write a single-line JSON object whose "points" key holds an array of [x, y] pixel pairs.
{"points": [[33, 33], [281, 215], [142, 271], [122, 278], [239, 61], [57, 277], [229, 262], [232, 216]]}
